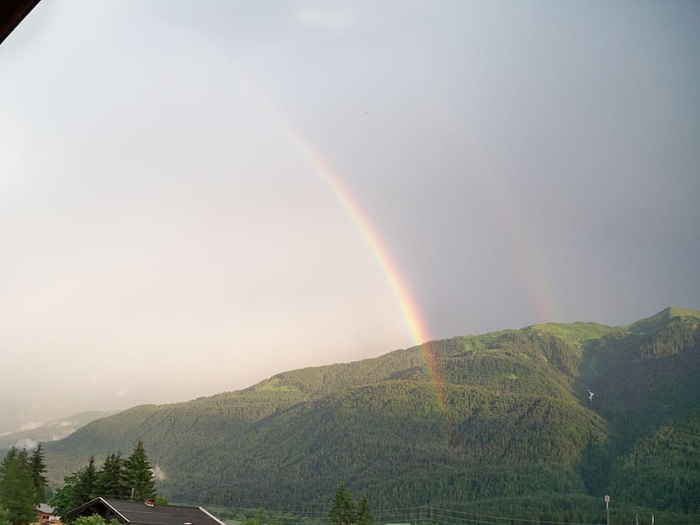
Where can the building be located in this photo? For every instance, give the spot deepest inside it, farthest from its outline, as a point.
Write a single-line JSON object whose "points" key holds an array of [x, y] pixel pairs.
{"points": [[45, 515], [144, 513]]}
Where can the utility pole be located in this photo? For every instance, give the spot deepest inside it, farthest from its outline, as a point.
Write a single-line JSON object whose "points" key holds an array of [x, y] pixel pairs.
{"points": [[607, 510]]}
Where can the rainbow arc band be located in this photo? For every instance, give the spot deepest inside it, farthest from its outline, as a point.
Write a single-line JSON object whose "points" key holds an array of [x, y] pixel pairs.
{"points": [[399, 289]]}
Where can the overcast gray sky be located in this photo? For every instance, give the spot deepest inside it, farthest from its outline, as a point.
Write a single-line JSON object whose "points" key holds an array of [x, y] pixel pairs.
{"points": [[197, 195]]}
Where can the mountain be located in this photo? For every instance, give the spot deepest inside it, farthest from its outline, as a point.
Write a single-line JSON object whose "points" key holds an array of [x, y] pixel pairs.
{"points": [[540, 422], [51, 431]]}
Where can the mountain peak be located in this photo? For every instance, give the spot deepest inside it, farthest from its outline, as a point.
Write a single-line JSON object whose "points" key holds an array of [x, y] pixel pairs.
{"points": [[653, 323], [675, 311]]}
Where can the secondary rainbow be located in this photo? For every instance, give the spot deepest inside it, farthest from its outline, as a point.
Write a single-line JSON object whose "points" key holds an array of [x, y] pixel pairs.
{"points": [[530, 266]]}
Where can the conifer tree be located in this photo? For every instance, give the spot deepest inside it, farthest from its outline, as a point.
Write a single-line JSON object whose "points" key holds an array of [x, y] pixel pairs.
{"points": [[66, 498], [111, 478], [16, 487], [364, 514], [86, 486], [39, 480], [139, 475], [343, 509]]}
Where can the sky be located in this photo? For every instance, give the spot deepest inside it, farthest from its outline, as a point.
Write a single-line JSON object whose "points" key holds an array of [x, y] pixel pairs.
{"points": [[195, 196]]}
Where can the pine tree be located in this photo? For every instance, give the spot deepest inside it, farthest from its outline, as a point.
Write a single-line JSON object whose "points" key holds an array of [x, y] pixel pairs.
{"points": [[86, 482], [111, 478], [364, 514], [39, 480], [65, 498], [139, 475], [10, 456], [343, 509], [16, 487]]}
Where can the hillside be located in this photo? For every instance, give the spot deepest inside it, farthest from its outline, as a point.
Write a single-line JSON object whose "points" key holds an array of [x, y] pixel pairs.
{"points": [[504, 422], [51, 431]]}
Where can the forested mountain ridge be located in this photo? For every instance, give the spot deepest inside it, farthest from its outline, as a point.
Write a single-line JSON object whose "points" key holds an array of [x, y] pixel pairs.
{"points": [[547, 418]]}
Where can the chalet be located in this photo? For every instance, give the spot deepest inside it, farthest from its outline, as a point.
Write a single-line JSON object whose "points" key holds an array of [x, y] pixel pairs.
{"points": [[45, 515], [144, 513]]}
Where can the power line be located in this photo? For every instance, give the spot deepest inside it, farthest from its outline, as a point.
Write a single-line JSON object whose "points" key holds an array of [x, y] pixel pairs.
{"points": [[437, 515]]}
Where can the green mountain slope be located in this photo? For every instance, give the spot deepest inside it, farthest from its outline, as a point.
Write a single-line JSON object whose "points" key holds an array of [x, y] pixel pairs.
{"points": [[502, 421]]}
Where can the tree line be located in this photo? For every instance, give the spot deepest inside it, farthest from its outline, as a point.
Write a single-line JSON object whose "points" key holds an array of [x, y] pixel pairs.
{"points": [[119, 478], [23, 483]]}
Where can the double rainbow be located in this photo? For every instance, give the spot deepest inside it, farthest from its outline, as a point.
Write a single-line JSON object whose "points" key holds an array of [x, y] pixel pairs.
{"points": [[401, 292]]}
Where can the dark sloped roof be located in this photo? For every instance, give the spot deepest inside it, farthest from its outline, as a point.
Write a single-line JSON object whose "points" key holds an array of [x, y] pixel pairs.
{"points": [[12, 12], [138, 513]]}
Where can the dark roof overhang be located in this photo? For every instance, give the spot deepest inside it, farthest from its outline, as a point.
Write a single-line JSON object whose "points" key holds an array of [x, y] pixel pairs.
{"points": [[12, 12], [141, 513]]}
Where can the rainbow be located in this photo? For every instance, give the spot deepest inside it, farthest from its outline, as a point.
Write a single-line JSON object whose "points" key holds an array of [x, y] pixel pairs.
{"points": [[401, 292], [543, 302], [530, 266]]}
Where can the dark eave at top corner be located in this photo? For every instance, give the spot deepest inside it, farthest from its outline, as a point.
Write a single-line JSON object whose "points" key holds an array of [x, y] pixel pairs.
{"points": [[12, 12]]}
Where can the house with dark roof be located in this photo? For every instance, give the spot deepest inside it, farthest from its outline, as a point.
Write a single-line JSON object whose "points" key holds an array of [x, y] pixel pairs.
{"points": [[144, 513]]}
